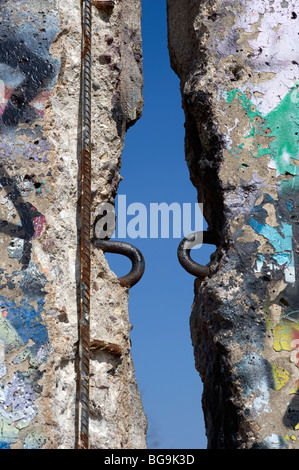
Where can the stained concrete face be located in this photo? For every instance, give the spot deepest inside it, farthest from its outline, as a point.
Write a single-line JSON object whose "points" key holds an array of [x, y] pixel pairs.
{"points": [[238, 65], [40, 60]]}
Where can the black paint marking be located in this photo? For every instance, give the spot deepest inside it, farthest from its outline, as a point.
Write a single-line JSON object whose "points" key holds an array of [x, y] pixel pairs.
{"points": [[27, 212], [38, 72]]}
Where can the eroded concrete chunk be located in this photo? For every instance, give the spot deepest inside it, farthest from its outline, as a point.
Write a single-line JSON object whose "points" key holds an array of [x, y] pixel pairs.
{"points": [[40, 62], [238, 66]]}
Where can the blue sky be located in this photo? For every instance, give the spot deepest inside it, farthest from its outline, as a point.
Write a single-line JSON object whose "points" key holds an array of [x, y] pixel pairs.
{"points": [[154, 170]]}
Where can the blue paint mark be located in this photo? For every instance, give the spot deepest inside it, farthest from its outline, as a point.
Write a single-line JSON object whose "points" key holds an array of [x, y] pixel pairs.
{"points": [[26, 320], [4, 445], [280, 243], [283, 258], [281, 240]]}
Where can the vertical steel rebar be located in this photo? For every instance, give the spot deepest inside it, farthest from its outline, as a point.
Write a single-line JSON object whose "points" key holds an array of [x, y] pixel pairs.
{"points": [[85, 244]]}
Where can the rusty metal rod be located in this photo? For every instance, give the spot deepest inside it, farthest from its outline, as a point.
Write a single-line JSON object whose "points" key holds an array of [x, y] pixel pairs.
{"points": [[85, 245], [85, 345], [184, 250], [122, 248]]}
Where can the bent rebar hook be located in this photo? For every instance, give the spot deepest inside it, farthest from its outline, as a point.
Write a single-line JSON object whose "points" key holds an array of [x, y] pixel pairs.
{"points": [[122, 248], [184, 250]]}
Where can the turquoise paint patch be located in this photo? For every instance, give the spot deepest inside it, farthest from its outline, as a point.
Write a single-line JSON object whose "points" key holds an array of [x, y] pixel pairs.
{"points": [[280, 243], [281, 240], [284, 123], [284, 259]]}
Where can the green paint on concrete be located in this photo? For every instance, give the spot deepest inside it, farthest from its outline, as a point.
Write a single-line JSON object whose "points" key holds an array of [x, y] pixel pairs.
{"points": [[283, 122], [8, 335]]}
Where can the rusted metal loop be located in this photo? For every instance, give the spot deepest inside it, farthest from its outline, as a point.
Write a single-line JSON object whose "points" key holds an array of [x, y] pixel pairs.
{"points": [[131, 252], [184, 250]]}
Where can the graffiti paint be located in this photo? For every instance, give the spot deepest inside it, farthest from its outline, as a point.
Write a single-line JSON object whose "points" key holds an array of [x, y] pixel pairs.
{"points": [[281, 239], [273, 138], [279, 129], [27, 74], [280, 376], [276, 136]]}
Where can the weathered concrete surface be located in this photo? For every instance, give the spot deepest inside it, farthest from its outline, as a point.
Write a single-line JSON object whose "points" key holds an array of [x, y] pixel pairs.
{"points": [[238, 65], [40, 57]]}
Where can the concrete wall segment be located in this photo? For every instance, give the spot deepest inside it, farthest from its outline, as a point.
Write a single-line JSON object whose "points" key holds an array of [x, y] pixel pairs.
{"points": [[40, 59], [240, 97]]}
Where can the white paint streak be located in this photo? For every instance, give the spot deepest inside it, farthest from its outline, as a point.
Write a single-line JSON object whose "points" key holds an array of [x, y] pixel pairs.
{"points": [[274, 50]]}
